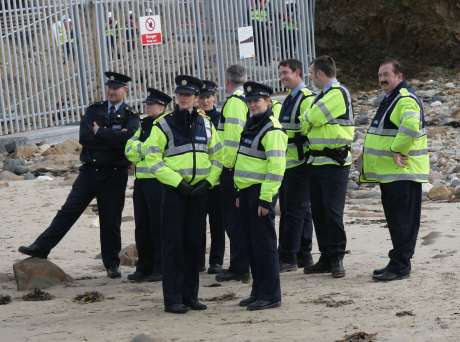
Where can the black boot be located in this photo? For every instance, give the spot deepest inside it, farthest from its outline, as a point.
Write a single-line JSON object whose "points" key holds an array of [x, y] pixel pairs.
{"points": [[196, 305], [285, 267], [262, 305], [34, 250], [113, 272], [215, 269], [337, 269], [227, 276], [176, 308], [247, 301], [322, 266]]}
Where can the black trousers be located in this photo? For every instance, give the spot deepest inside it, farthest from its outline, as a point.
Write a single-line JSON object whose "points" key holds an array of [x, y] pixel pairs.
{"points": [[402, 204], [216, 227], [328, 184], [147, 197], [181, 231], [296, 227], [261, 239], [108, 187], [239, 258]]}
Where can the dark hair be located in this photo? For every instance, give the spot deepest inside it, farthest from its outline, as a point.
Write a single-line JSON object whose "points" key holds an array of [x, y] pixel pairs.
{"points": [[325, 64], [397, 66], [293, 64]]}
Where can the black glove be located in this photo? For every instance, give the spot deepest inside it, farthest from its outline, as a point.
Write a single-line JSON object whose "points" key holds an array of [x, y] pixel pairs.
{"points": [[200, 188], [184, 188]]}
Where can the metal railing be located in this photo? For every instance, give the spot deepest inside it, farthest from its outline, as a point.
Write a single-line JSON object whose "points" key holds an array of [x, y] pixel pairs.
{"points": [[53, 53]]}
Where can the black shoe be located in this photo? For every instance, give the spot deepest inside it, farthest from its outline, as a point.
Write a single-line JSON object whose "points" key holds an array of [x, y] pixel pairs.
{"points": [[390, 276], [227, 276], [305, 261], [263, 304], [247, 301], [215, 268], [176, 308], [337, 269], [322, 266], [154, 277], [196, 305], [34, 251], [285, 267], [379, 271], [113, 272], [137, 277]]}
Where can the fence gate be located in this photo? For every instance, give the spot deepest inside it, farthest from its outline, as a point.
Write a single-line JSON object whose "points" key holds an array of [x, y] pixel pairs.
{"points": [[53, 54]]}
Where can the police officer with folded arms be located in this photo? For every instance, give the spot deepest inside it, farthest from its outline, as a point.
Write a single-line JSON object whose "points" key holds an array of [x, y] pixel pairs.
{"points": [[147, 195], [395, 155], [186, 157], [259, 170], [296, 227], [207, 103], [104, 130], [329, 127]]}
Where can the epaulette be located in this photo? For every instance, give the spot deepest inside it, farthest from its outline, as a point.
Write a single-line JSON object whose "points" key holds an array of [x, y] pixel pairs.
{"points": [[202, 113]]}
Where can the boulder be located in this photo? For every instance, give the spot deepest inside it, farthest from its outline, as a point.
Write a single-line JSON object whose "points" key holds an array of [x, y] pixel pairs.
{"points": [[26, 151], [38, 273], [440, 193], [17, 166], [66, 147]]}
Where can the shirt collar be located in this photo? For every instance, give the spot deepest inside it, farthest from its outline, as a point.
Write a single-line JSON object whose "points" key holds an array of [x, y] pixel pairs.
{"points": [[296, 90], [329, 85], [240, 89], [117, 105]]}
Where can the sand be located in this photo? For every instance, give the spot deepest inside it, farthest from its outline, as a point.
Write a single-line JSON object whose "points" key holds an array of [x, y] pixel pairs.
{"points": [[315, 307]]}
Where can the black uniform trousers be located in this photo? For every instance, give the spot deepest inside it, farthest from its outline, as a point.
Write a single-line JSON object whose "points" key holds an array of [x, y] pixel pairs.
{"points": [[239, 258], [261, 240], [216, 227], [296, 227], [181, 230], [147, 200], [402, 204], [328, 185], [108, 186]]}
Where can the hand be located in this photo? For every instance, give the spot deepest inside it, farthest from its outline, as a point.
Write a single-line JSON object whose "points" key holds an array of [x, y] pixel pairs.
{"points": [[237, 203], [184, 188], [95, 127], [400, 159], [200, 188], [261, 211]]}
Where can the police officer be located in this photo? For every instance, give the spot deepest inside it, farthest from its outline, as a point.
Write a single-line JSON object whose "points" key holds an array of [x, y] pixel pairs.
{"points": [[259, 170], [207, 103], [104, 130], [296, 228], [147, 195], [395, 155], [185, 155], [330, 129], [234, 115]]}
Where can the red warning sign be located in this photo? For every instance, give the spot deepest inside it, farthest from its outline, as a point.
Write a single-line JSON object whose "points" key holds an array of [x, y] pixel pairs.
{"points": [[150, 28]]}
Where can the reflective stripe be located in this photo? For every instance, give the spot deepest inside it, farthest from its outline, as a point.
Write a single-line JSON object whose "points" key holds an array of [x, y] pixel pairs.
{"points": [[235, 121], [292, 162], [323, 159], [258, 175], [291, 126], [273, 177], [252, 152], [151, 169], [185, 148], [134, 138], [231, 143], [330, 141], [397, 176], [130, 147], [217, 147], [409, 132], [139, 149], [152, 149], [386, 153], [275, 153], [220, 126], [382, 131], [409, 113], [325, 111], [167, 130], [198, 172], [217, 164], [342, 122]]}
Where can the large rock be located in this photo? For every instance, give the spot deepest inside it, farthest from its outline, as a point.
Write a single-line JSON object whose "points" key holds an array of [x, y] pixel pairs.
{"points": [[67, 147], [38, 273], [17, 166], [26, 151], [440, 193], [56, 164]]}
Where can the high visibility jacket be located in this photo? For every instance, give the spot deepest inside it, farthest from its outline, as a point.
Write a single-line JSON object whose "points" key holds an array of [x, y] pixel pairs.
{"points": [[262, 156], [293, 108], [136, 149], [276, 108], [235, 112], [329, 124], [259, 14], [184, 146], [399, 126]]}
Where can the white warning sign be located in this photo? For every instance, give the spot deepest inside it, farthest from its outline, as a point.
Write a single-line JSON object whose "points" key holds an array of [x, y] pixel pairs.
{"points": [[150, 28], [246, 42]]}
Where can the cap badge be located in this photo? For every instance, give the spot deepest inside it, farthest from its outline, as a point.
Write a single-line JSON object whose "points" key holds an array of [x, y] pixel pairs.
{"points": [[184, 82], [249, 89]]}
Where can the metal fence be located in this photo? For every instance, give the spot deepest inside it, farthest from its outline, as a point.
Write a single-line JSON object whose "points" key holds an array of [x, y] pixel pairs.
{"points": [[53, 53]]}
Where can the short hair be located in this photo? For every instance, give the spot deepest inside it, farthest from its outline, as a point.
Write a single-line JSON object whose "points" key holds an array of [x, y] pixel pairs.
{"points": [[293, 64], [397, 66], [236, 74], [325, 64]]}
